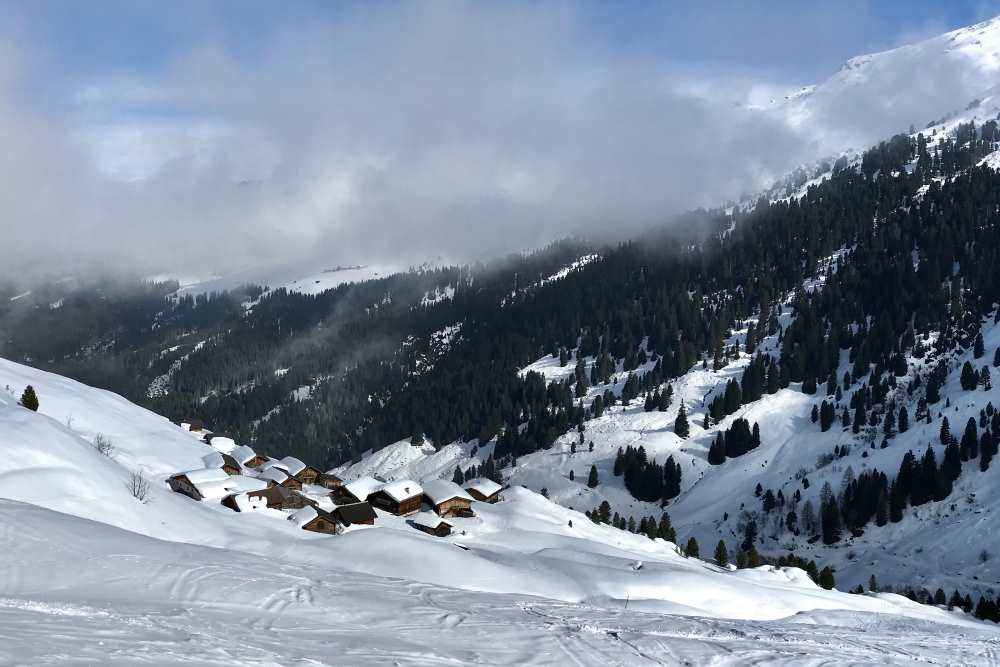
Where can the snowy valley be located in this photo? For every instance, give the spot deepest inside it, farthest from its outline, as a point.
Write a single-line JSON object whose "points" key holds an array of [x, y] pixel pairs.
{"points": [[93, 573]]}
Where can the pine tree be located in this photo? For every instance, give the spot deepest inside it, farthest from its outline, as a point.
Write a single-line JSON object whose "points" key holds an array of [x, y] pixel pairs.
{"points": [[691, 548], [996, 355], [970, 378], [904, 420], [977, 346], [681, 427], [944, 435], [826, 578], [721, 554], [665, 529], [458, 477], [29, 399], [592, 480], [872, 584]]}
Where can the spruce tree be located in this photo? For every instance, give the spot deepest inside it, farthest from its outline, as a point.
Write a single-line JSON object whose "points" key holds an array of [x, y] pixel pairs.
{"points": [[977, 346], [721, 554], [592, 480], [826, 578], [970, 378], [29, 399], [681, 427], [691, 549]]}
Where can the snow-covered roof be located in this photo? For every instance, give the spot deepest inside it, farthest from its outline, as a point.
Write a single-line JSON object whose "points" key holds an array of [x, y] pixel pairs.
{"points": [[213, 460], [205, 475], [429, 520], [303, 516], [223, 444], [401, 490], [242, 483], [274, 474], [273, 463], [293, 465], [363, 487], [243, 453], [487, 487], [247, 503], [440, 490]]}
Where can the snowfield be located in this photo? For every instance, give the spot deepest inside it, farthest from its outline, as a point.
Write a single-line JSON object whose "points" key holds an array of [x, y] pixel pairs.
{"points": [[94, 575]]}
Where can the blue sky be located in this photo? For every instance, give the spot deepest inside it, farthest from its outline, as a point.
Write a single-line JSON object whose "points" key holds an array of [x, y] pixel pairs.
{"points": [[798, 40]]}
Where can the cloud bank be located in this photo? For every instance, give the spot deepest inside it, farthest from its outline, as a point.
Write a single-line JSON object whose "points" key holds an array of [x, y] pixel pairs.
{"points": [[402, 133]]}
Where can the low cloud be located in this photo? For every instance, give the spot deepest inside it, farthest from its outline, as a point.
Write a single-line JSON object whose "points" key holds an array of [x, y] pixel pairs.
{"points": [[402, 132]]}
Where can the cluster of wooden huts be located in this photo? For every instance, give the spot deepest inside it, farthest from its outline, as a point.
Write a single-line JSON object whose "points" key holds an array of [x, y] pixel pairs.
{"points": [[245, 481]]}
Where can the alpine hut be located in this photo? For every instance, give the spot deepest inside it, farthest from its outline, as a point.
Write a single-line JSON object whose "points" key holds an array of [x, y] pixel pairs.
{"points": [[348, 515], [484, 490], [432, 524], [316, 520], [447, 498], [400, 498]]}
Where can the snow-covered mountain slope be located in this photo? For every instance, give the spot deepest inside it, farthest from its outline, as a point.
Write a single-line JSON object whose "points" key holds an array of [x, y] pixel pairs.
{"points": [[113, 576], [876, 95], [951, 544]]}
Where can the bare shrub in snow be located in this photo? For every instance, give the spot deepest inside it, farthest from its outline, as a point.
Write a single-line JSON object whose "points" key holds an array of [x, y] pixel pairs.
{"points": [[103, 444], [138, 485]]}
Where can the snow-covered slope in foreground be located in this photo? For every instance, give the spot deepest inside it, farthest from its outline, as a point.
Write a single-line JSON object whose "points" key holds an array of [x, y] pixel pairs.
{"points": [[79, 592], [92, 574]]}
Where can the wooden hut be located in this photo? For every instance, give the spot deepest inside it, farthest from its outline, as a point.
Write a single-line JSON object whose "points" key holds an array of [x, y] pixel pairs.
{"points": [[247, 457], [227, 463], [357, 491], [432, 524], [281, 498], [306, 474], [400, 498], [484, 490], [447, 498], [278, 477], [348, 515], [329, 480], [195, 425], [316, 520], [195, 483]]}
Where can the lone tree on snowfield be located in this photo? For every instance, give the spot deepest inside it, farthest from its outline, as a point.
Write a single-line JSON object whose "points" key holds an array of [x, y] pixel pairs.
{"points": [[29, 399]]}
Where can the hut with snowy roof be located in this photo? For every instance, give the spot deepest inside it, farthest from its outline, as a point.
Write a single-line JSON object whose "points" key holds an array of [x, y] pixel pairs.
{"points": [[220, 442], [279, 477], [329, 480], [361, 513], [314, 519], [212, 483], [197, 483], [281, 498], [247, 457], [299, 470], [447, 498], [400, 498], [358, 490], [228, 464], [484, 490], [432, 524]]}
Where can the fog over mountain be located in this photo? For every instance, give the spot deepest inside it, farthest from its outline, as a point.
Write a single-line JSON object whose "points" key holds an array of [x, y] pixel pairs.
{"points": [[456, 130]]}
